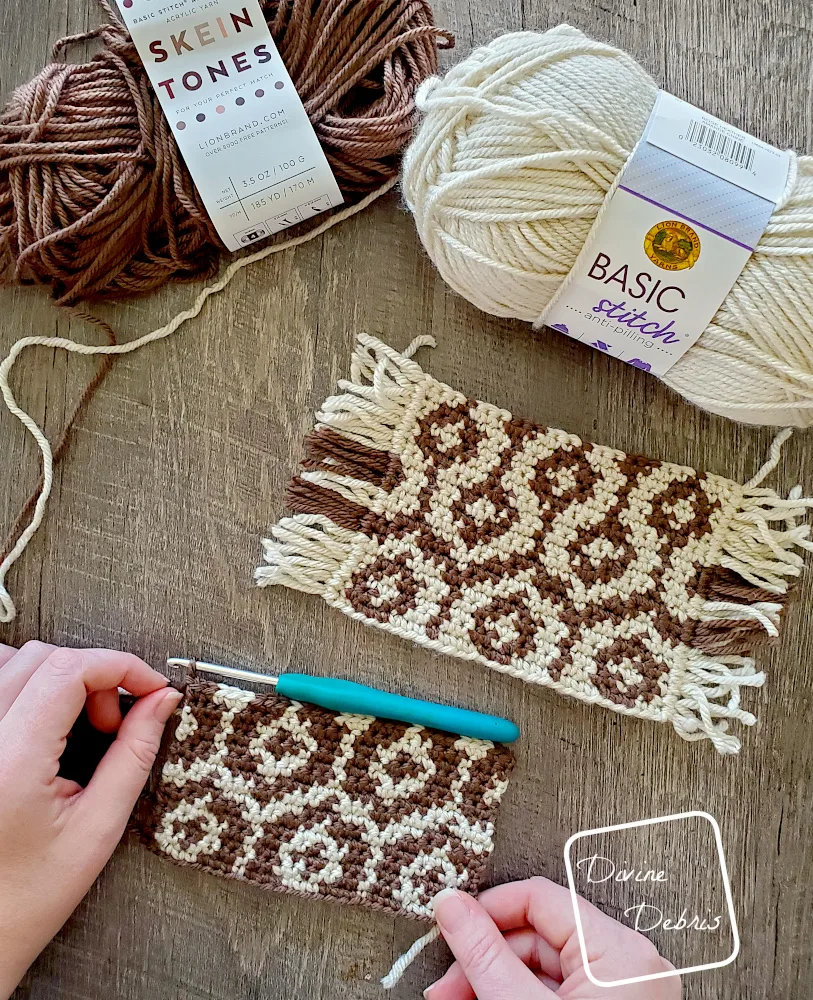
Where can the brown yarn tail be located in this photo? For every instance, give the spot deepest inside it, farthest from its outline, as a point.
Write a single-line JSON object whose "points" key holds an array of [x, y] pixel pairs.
{"points": [[326, 450], [732, 636]]}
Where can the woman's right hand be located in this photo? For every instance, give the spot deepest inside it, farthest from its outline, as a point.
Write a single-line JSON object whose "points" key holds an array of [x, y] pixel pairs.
{"points": [[519, 942]]}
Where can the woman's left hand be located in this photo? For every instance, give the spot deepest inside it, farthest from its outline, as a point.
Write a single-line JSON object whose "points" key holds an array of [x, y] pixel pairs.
{"points": [[55, 837]]}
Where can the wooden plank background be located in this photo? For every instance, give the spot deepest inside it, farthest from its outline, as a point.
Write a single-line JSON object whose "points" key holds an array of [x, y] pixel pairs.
{"points": [[180, 467]]}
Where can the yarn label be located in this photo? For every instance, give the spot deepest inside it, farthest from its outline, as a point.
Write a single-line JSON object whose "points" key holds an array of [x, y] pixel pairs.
{"points": [[235, 114], [688, 210], [719, 148]]}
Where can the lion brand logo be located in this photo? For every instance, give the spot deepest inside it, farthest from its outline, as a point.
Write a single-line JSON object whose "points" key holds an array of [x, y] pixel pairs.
{"points": [[672, 245]]}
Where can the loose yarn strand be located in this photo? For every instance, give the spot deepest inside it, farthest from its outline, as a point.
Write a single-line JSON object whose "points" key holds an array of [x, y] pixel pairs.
{"points": [[61, 447], [399, 967], [7, 607]]}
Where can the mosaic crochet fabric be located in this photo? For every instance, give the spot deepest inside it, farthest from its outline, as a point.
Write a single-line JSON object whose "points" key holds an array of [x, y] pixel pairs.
{"points": [[624, 581], [300, 799]]}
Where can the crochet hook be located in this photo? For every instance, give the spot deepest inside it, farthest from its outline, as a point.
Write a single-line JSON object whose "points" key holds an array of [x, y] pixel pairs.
{"points": [[358, 699]]}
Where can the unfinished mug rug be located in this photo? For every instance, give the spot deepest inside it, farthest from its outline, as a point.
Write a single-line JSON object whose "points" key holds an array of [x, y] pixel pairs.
{"points": [[620, 580], [302, 800]]}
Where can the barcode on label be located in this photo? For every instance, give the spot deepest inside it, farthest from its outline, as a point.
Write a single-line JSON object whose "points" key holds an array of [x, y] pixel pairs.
{"points": [[719, 144]]}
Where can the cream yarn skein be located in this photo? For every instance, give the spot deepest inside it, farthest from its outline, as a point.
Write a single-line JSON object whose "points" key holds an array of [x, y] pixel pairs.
{"points": [[520, 144]]}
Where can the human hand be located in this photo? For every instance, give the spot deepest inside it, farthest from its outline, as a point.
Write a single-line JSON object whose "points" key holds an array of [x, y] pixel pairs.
{"points": [[55, 837], [519, 942]]}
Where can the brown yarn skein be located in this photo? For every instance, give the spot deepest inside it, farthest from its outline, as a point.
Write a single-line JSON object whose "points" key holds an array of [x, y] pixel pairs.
{"points": [[95, 199]]}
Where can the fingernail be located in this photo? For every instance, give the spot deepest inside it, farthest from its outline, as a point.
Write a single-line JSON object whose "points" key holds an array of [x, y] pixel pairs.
{"points": [[428, 990], [167, 705], [450, 910]]}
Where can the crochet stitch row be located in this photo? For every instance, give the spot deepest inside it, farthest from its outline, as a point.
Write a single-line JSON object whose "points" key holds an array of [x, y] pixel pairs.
{"points": [[303, 800]]}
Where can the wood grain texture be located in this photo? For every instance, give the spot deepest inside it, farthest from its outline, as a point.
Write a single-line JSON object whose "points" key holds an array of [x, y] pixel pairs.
{"points": [[180, 467]]}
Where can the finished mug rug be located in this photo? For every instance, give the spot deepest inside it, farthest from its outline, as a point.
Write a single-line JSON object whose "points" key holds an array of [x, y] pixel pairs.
{"points": [[624, 581]]}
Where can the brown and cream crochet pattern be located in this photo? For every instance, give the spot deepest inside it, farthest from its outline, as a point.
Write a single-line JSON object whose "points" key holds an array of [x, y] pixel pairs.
{"points": [[623, 581], [302, 800]]}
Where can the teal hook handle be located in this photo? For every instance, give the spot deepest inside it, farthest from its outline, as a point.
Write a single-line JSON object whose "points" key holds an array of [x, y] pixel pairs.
{"points": [[358, 699]]}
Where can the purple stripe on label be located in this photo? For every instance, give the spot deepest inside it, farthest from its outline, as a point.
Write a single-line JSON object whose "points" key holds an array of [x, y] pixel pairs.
{"points": [[687, 218]]}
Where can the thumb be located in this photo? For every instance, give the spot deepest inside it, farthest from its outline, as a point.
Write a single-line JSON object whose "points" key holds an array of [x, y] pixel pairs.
{"points": [[121, 774], [485, 957]]}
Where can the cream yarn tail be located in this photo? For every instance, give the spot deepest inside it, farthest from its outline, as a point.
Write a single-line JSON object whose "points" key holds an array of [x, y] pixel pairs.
{"points": [[393, 977], [8, 610], [518, 148]]}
